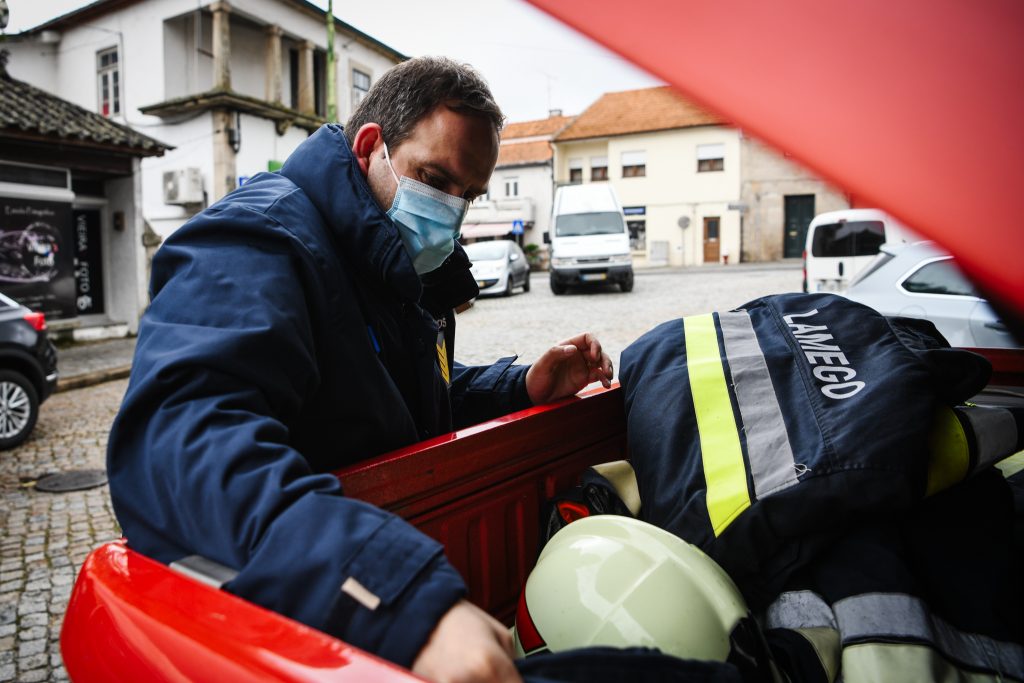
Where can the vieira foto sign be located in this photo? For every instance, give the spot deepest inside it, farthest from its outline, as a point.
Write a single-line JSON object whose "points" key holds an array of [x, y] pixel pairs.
{"points": [[36, 255], [88, 262]]}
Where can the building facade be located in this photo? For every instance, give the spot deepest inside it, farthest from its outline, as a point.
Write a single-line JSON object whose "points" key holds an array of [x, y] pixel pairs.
{"points": [[233, 87], [674, 167], [694, 189], [518, 202], [779, 199], [73, 242]]}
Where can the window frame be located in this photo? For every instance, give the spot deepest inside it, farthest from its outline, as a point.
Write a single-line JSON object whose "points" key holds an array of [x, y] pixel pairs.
{"points": [[111, 71], [355, 88], [634, 170], [514, 182], [711, 164], [638, 244], [921, 265], [603, 175]]}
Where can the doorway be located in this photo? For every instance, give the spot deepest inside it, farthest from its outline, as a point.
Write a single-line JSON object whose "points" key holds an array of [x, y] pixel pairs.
{"points": [[799, 214], [712, 243]]}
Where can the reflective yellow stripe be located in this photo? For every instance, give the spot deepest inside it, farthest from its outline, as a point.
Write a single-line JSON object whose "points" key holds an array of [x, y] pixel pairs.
{"points": [[1011, 465], [724, 472], [949, 456], [442, 361]]}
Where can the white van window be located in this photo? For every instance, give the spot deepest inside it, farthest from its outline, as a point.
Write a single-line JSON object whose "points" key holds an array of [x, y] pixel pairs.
{"points": [[848, 238], [598, 223]]}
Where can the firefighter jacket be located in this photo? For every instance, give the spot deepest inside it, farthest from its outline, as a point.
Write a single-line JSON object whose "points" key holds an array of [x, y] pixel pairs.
{"points": [[930, 595], [759, 434], [288, 336]]}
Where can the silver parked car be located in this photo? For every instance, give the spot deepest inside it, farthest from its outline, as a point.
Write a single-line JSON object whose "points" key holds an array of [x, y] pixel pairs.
{"points": [[920, 281], [499, 266]]}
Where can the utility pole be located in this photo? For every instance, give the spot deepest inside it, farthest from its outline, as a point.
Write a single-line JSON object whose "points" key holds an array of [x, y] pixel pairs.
{"points": [[332, 79]]}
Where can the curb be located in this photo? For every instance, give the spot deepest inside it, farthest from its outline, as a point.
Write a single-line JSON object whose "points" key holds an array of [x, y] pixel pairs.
{"points": [[89, 379]]}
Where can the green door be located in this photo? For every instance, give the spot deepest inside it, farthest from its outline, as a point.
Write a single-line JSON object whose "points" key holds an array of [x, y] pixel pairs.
{"points": [[799, 214]]}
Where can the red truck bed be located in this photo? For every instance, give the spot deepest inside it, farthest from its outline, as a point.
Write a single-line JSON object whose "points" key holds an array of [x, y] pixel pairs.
{"points": [[478, 491]]}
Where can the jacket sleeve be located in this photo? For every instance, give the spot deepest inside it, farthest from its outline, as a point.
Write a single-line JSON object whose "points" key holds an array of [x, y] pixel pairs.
{"points": [[199, 461], [480, 393]]}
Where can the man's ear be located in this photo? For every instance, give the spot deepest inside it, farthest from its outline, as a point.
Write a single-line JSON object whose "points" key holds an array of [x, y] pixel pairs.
{"points": [[365, 143]]}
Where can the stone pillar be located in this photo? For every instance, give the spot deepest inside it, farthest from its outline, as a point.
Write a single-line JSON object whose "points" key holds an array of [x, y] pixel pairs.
{"points": [[307, 93], [272, 67], [221, 45], [224, 169]]}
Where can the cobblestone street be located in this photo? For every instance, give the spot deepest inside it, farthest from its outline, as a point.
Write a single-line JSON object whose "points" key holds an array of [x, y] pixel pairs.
{"points": [[528, 324], [46, 536]]}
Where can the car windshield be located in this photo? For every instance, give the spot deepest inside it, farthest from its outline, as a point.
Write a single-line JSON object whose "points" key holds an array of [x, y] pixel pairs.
{"points": [[599, 223], [848, 238], [486, 251]]}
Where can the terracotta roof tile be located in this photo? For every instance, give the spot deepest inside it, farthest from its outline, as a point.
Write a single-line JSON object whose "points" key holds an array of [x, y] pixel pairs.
{"points": [[636, 111], [527, 129], [516, 153], [25, 108]]}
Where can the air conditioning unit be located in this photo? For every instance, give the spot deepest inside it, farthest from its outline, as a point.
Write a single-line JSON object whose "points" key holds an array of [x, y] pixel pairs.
{"points": [[183, 186]]}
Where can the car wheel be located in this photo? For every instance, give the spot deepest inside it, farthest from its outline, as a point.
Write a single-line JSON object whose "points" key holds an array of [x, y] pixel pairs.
{"points": [[556, 286], [626, 285], [19, 408], [508, 285], [526, 282]]}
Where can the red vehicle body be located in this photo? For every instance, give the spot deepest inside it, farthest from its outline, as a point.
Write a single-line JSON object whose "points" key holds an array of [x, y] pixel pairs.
{"points": [[933, 71]]}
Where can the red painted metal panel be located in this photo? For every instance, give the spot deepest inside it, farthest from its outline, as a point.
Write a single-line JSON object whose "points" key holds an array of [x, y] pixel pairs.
{"points": [[913, 107], [133, 619], [1007, 366]]}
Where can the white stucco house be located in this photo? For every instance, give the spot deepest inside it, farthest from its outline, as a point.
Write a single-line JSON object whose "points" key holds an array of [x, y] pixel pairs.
{"points": [[688, 182], [230, 88]]}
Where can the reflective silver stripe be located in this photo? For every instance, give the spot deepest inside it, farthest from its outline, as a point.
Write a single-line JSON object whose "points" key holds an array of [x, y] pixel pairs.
{"points": [[360, 594], [995, 432], [205, 570], [771, 457], [800, 609], [878, 616]]}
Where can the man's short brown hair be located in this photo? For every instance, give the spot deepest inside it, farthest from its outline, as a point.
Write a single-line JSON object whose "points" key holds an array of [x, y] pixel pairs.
{"points": [[411, 90]]}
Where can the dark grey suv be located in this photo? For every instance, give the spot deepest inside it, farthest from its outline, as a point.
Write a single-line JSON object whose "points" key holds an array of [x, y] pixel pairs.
{"points": [[28, 370]]}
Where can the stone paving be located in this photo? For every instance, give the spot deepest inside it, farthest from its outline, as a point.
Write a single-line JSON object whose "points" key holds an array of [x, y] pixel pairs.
{"points": [[528, 324], [47, 536]]}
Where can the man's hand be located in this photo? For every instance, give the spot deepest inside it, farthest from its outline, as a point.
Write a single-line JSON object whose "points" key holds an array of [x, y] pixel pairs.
{"points": [[568, 367], [467, 645]]}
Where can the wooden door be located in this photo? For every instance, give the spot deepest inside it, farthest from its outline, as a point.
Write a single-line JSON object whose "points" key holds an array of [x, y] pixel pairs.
{"points": [[712, 244]]}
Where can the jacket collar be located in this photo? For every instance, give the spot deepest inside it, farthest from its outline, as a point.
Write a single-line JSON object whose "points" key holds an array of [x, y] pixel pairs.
{"points": [[324, 167]]}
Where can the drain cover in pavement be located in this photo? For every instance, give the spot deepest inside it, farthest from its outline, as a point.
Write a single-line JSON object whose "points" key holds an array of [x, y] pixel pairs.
{"points": [[75, 480]]}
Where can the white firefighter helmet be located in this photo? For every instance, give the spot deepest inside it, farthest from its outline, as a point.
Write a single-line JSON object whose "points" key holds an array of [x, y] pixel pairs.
{"points": [[619, 582]]}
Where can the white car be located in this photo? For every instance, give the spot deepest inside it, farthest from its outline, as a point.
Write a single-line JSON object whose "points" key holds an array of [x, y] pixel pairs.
{"points": [[499, 266], [920, 281]]}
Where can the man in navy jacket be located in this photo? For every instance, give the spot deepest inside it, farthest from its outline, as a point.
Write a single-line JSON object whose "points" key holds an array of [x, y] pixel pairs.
{"points": [[303, 323]]}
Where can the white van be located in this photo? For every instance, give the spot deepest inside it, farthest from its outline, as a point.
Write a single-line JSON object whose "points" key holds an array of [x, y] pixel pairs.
{"points": [[841, 243], [589, 239]]}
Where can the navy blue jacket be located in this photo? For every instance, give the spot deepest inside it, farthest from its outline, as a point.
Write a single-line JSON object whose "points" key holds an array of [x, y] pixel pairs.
{"points": [[288, 336]]}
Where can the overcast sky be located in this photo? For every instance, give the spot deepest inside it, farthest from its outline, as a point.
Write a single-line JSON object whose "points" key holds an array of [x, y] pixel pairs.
{"points": [[532, 61]]}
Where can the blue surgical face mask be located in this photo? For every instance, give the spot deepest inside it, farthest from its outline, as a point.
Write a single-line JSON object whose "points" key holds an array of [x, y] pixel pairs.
{"points": [[427, 218]]}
